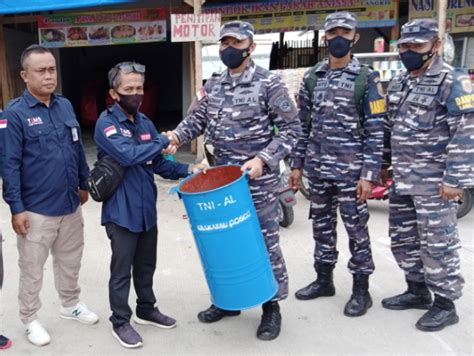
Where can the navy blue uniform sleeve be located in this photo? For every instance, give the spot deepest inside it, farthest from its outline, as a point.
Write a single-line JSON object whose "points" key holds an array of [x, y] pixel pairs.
{"points": [[459, 171], [107, 137], [375, 112], [13, 149], [304, 112], [169, 169]]}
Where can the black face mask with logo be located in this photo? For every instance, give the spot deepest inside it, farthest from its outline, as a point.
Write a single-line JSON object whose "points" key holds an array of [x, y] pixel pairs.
{"points": [[233, 57], [130, 103], [340, 46], [413, 60]]}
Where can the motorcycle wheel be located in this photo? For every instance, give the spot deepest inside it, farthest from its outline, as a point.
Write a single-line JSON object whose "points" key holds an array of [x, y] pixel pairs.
{"points": [[286, 215], [465, 204], [305, 187]]}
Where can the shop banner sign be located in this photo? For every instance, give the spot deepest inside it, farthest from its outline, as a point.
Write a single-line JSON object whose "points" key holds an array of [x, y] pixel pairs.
{"points": [[296, 15], [459, 17], [102, 28], [191, 27]]}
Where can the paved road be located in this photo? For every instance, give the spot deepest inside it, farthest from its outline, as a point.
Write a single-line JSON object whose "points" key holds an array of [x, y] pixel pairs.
{"points": [[310, 327]]}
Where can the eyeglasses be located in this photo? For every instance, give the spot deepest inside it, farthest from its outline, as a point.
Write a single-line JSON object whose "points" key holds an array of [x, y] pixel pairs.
{"points": [[126, 68], [130, 67]]}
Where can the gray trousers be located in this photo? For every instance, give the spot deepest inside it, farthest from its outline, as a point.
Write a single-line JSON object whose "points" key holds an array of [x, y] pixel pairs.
{"points": [[425, 242]]}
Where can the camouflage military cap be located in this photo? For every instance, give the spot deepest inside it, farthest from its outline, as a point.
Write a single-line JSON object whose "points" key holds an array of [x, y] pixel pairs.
{"points": [[419, 31], [340, 19], [237, 29]]}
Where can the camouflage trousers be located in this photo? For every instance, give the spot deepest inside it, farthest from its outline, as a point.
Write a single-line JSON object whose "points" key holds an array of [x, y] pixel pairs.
{"points": [[326, 196], [264, 192], [423, 231]]}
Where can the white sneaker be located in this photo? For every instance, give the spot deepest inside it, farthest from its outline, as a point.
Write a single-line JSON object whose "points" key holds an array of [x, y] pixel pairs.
{"points": [[37, 334], [79, 312]]}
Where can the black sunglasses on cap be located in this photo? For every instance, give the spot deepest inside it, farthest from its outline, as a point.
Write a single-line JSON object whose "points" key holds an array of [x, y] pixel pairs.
{"points": [[125, 67]]}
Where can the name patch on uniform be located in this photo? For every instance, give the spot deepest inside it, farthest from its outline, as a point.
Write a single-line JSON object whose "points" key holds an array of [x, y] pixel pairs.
{"points": [[420, 99], [346, 84], [426, 89], [322, 83], [465, 102], [145, 137], [395, 86], [437, 80], [377, 106], [125, 132], [214, 100], [109, 131], [32, 121], [3, 124], [245, 99]]}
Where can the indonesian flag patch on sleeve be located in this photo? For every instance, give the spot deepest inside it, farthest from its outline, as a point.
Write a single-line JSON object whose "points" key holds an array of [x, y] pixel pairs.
{"points": [[3, 124], [109, 131], [145, 137], [201, 93]]}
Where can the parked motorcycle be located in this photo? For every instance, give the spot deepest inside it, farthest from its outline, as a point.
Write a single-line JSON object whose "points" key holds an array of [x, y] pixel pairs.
{"points": [[286, 198], [381, 192], [465, 203]]}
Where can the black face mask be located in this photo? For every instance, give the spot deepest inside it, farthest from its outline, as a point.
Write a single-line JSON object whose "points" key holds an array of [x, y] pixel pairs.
{"points": [[233, 57], [413, 60], [130, 103], [339, 46]]}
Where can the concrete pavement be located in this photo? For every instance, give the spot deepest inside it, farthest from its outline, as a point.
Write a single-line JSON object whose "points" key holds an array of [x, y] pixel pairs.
{"points": [[309, 327]]}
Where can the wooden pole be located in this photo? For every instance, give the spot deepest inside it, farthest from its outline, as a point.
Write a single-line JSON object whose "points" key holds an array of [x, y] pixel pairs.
{"points": [[395, 30], [442, 10], [4, 68], [196, 79]]}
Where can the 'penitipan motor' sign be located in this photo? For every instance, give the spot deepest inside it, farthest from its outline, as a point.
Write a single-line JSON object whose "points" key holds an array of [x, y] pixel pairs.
{"points": [[295, 15], [459, 17], [102, 28]]}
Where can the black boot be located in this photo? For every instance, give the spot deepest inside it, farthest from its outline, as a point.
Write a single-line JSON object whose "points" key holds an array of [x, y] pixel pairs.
{"points": [[360, 300], [323, 286], [213, 314], [417, 296], [441, 314], [270, 325]]}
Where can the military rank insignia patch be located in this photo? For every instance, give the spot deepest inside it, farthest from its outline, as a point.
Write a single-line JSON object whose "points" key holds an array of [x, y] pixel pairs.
{"points": [[283, 103], [465, 102], [377, 106], [466, 84]]}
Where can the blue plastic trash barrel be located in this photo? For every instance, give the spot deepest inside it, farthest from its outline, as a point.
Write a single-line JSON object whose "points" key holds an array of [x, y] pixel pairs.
{"points": [[228, 237]]}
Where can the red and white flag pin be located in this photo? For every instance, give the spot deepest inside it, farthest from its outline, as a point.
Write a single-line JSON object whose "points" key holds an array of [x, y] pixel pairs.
{"points": [[109, 131]]}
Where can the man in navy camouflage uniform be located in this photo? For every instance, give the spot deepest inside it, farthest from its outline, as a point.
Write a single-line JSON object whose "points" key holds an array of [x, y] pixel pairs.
{"points": [[237, 111], [429, 143], [341, 152]]}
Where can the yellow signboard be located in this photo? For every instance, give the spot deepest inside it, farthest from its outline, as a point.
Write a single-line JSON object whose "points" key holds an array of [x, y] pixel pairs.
{"points": [[294, 15], [459, 18]]}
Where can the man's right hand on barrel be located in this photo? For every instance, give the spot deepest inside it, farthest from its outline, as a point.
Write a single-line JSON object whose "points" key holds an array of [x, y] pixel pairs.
{"points": [[254, 167]]}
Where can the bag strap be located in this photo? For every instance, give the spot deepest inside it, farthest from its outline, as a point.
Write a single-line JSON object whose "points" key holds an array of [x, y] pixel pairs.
{"points": [[310, 84], [359, 91]]}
